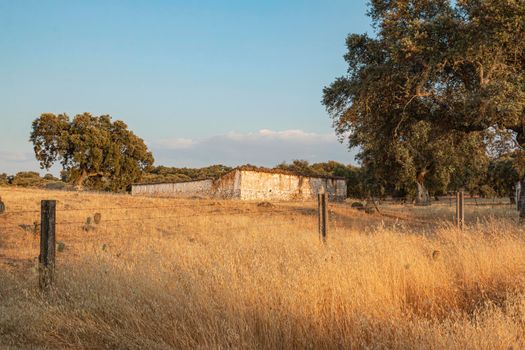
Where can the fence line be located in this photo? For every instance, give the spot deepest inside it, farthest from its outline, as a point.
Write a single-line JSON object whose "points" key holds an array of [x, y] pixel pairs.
{"points": [[132, 207], [109, 209], [207, 214], [103, 224], [48, 224], [21, 212], [167, 217], [101, 209]]}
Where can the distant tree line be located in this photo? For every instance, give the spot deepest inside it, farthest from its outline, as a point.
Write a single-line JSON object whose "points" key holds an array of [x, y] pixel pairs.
{"points": [[32, 179], [496, 179], [173, 174]]}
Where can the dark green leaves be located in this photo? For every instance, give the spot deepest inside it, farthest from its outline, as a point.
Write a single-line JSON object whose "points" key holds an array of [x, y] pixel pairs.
{"points": [[434, 78], [90, 148]]}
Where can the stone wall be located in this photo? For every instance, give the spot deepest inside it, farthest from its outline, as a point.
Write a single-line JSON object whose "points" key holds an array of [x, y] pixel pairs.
{"points": [[249, 185], [227, 186], [279, 186], [188, 189]]}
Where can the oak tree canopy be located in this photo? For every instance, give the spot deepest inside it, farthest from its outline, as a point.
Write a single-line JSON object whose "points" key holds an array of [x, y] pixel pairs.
{"points": [[88, 146], [420, 94]]}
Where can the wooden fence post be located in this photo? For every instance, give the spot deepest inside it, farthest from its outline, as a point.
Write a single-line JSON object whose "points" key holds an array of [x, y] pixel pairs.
{"points": [[46, 259], [460, 209], [319, 213], [456, 218], [322, 199], [2, 206]]}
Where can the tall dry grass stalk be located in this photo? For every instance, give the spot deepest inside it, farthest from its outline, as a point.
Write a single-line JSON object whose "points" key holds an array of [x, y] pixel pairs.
{"points": [[240, 281]]}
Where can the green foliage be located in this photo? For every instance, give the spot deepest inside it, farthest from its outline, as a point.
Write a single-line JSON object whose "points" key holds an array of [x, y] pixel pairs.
{"points": [[27, 179], [50, 177], [31, 179], [355, 176], [90, 149], [4, 179], [302, 167], [355, 182], [487, 191], [172, 174], [419, 96], [502, 176]]}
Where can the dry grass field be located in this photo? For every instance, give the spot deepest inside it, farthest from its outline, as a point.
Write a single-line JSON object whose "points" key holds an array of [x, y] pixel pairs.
{"points": [[163, 274]]}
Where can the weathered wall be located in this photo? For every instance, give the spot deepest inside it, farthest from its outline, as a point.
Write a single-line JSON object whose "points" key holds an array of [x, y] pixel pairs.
{"points": [[249, 185], [227, 186], [180, 189], [336, 189], [277, 186]]}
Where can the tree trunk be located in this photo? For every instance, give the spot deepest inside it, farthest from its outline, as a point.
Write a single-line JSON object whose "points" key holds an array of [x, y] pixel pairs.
{"points": [[423, 198], [79, 181], [521, 198], [514, 192]]}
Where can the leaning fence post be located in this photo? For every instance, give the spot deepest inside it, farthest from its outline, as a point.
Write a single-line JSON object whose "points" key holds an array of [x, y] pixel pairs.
{"points": [[322, 214], [46, 259]]}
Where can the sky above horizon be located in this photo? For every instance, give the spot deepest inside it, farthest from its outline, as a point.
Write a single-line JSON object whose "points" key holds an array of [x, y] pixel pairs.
{"points": [[202, 82]]}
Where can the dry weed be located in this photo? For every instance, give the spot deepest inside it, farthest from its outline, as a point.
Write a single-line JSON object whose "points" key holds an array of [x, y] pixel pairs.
{"points": [[234, 276]]}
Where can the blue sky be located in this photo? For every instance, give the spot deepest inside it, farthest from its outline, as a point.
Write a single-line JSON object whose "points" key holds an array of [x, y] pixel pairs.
{"points": [[202, 82]]}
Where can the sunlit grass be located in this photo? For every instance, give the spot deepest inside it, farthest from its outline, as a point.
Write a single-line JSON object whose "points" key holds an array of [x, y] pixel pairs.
{"points": [[235, 275]]}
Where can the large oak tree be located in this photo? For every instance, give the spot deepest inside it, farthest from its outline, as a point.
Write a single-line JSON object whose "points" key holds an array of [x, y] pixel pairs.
{"points": [[418, 96], [88, 146]]}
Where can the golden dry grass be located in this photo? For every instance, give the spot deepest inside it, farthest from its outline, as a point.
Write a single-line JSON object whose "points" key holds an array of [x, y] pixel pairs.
{"points": [[444, 210], [235, 275]]}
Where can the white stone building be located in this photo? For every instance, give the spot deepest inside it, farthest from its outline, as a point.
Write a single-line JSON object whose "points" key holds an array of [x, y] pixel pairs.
{"points": [[250, 184]]}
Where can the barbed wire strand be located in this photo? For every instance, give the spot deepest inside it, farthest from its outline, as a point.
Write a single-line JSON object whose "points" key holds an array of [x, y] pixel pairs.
{"points": [[164, 217], [132, 207], [28, 227], [199, 215]]}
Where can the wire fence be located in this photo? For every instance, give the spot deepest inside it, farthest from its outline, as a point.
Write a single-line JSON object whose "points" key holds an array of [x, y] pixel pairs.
{"points": [[181, 213], [238, 216], [321, 217], [141, 214], [449, 200], [26, 219]]}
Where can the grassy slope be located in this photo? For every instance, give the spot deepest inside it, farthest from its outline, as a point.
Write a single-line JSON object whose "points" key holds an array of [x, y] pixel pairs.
{"points": [[236, 275]]}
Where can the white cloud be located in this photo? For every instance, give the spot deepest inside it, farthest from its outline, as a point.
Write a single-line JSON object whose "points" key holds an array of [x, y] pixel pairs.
{"points": [[12, 162], [264, 147], [9, 156], [294, 134], [180, 143]]}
